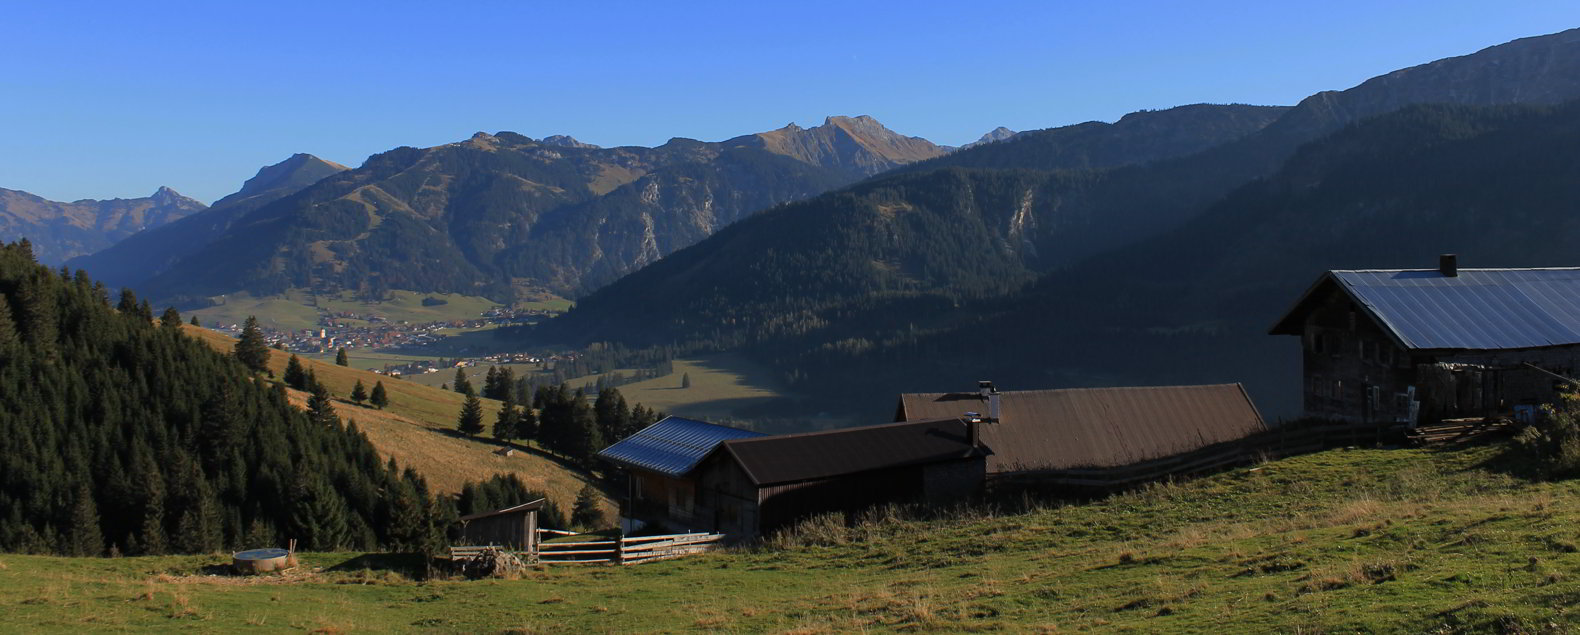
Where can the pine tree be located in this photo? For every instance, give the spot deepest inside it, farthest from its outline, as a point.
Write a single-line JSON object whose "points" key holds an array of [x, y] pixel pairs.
{"points": [[195, 321], [379, 398], [359, 394], [171, 319], [341, 359], [491, 384], [526, 424], [320, 406], [461, 384], [685, 380], [612, 414], [251, 349], [507, 424], [85, 538], [128, 303], [582, 438], [8, 335], [295, 377], [471, 420], [588, 514]]}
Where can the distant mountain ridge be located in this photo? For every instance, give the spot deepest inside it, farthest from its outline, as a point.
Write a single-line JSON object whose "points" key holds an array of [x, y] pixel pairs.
{"points": [[836, 290], [139, 257], [500, 211], [59, 231]]}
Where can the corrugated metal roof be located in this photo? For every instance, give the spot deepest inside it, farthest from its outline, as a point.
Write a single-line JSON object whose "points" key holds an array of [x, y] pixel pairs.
{"points": [[672, 446], [789, 458], [1478, 309], [1097, 427]]}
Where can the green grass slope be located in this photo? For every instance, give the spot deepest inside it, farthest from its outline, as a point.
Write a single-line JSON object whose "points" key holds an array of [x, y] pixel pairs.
{"points": [[1342, 541]]}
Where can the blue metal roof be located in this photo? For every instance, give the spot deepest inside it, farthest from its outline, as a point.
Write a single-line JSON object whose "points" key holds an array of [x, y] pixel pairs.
{"points": [[1478, 309], [672, 446]]}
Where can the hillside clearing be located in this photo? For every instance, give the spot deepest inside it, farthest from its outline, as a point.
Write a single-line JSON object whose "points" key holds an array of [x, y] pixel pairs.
{"points": [[418, 430], [1359, 540]]}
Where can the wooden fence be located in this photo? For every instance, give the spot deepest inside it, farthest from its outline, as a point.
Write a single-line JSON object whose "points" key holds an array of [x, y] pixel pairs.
{"points": [[621, 550]]}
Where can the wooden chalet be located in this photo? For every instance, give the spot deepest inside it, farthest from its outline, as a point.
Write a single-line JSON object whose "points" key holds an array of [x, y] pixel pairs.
{"points": [[659, 461], [695, 476], [515, 528], [1100, 437], [1414, 347]]}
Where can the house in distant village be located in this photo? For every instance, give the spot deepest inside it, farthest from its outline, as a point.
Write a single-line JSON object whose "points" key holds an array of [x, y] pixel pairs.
{"points": [[1100, 438], [694, 476], [1417, 346]]}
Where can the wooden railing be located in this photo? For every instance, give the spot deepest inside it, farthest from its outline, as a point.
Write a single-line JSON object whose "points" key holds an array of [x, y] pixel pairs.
{"points": [[621, 550]]}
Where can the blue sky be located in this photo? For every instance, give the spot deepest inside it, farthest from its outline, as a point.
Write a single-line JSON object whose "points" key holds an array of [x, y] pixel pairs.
{"points": [[115, 99]]}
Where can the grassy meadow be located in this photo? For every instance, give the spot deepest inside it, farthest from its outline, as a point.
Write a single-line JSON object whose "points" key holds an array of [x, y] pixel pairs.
{"points": [[297, 309], [1341, 541], [418, 429]]}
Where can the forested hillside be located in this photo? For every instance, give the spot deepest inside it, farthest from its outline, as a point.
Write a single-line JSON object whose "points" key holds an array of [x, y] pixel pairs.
{"points": [[911, 281], [136, 258], [1497, 185], [121, 435]]}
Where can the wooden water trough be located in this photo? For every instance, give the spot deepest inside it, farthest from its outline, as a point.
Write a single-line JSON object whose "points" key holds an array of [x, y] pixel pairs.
{"points": [[601, 550]]}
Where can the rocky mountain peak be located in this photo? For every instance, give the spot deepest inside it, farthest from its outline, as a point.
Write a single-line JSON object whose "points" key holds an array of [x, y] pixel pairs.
{"points": [[566, 141]]}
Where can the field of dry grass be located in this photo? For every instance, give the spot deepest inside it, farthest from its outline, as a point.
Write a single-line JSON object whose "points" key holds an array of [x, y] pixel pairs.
{"points": [[418, 430]]}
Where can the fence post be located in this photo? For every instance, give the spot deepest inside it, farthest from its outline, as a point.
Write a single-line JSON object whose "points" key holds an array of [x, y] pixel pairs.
{"points": [[619, 549]]}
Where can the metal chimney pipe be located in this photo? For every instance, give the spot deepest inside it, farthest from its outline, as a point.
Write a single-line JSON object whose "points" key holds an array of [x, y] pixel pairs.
{"points": [[1448, 265]]}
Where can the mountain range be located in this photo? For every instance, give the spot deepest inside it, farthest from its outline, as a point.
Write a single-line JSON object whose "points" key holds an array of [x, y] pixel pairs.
{"points": [[1011, 258], [501, 212], [59, 231]]}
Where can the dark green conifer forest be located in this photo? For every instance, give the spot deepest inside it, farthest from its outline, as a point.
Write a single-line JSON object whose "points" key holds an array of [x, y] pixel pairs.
{"points": [[122, 436]]}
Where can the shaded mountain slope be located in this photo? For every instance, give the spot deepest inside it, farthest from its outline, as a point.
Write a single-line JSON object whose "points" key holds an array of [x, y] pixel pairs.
{"points": [[132, 261], [59, 231]]}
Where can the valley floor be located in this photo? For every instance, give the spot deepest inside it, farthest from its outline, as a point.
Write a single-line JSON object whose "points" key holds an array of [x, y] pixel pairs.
{"points": [[1341, 541]]}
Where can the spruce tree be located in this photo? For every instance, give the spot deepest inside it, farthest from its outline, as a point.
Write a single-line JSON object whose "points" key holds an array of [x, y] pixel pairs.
{"points": [[171, 319], [588, 514], [491, 384], [379, 398], [471, 420], [582, 439], [8, 335], [295, 376], [251, 349], [320, 406], [195, 321], [507, 424], [685, 380], [359, 394], [461, 384], [84, 537], [128, 303], [341, 359]]}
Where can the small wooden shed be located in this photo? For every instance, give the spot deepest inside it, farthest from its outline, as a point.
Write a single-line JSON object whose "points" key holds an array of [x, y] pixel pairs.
{"points": [[512, 527]]}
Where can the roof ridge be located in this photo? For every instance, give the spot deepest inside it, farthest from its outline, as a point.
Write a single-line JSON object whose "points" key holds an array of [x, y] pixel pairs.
{"points": [[798, 435]]}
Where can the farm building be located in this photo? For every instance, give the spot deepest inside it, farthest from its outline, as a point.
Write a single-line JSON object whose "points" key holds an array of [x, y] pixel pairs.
{"points": [[1415, 347], [1100, 437], [658, 461], [747, 485], [513, 527]]}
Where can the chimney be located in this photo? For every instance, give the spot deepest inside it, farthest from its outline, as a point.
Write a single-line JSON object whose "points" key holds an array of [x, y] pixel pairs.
{"points": [[990, 395], [974, 431], [1448, 265]]}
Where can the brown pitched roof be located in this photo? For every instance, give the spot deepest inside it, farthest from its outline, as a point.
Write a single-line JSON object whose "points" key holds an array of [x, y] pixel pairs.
{"points": [[789, 458], [532, 506], [1097, 427]]}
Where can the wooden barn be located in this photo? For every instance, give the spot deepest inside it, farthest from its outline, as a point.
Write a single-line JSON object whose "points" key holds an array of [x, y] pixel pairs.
{"points": [[1100, 437], [1413, 347], [696, 476], [658, 462], [766, 483], [512, 527]]}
